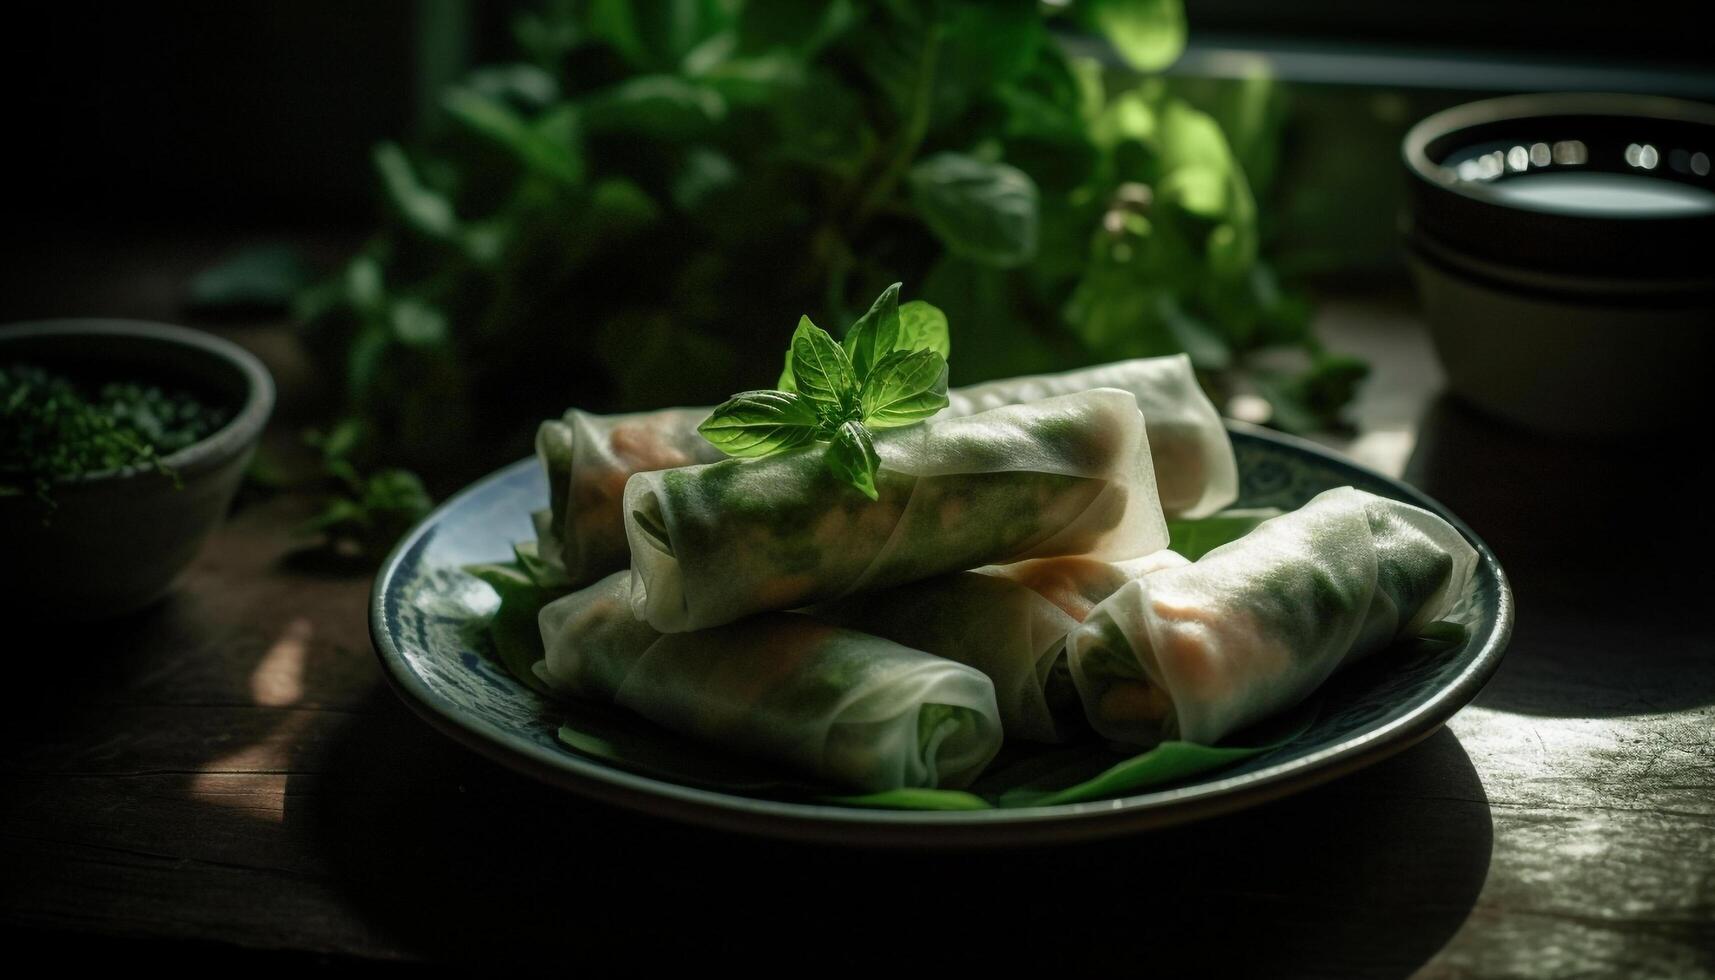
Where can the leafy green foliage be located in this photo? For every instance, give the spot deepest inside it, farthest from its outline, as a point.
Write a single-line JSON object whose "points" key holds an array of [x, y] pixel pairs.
{"points": [[617, 215], [362, 514], [882, 377]]}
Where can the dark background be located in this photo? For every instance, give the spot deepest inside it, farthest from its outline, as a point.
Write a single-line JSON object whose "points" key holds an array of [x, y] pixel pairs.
{"points": [[219, 113]]}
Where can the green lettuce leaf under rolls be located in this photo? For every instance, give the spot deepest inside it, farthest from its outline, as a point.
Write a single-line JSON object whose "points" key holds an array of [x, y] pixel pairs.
{"points": [[836, 705], [1010, 622], [1061, 476], [588, 457], [1253, 627]]}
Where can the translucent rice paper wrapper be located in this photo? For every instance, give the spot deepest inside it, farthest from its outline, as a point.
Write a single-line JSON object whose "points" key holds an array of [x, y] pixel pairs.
{"points": [[837, 705], [588, 458], [1010, 622], [1195, 471], [1061, 476], [1255, 626]]}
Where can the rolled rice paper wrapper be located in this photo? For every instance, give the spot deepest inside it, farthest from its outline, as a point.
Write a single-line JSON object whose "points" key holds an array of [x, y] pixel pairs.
{"points": [[1076, 584], [1010, 622], [837, 705], [589, 457], [1195, 471], [1061, 476], [1255, 626]]}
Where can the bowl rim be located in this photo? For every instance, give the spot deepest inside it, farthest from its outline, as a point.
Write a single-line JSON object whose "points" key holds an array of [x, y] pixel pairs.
{"points": [[1415, 147], [219, 446]]}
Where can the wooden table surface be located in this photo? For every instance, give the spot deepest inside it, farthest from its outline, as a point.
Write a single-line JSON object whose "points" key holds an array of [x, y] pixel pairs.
{"points": [[227, 773]]}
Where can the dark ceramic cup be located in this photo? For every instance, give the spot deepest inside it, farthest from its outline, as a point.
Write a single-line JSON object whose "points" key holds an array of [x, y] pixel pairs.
{"points": [[113, 542], [1561, 246]]}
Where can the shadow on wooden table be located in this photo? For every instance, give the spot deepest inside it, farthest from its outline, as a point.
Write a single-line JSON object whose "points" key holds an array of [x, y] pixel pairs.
{"points": [[460, 860], [1607, 545]]}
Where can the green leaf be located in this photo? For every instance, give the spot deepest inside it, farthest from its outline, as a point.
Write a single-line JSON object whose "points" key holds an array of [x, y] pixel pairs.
{"points": [[264, 277], [922, 326], [417, 324], [526, 85], [425, 211], [1165, 763], [658, 106], [910, 798], [875, 334], [852, 458], [513, 629], [1195, 538], [821, 371], [905, 387], [546, 149], [984, 211], [760, 423], [1202, 191], [656, 35], [1148, 34]]}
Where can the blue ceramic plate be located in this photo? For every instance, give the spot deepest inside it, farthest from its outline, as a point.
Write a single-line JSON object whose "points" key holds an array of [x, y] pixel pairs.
{"points": [[424, 607]]}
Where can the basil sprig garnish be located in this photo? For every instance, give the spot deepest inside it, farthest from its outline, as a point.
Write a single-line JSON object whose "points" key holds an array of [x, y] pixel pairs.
{"points": [[890, 371]]}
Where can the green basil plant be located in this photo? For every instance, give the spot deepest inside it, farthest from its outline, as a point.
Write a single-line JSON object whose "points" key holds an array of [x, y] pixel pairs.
{"points": [[616, 218]]}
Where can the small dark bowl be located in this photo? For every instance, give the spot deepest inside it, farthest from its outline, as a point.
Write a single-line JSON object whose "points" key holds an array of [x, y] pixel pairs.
{"points": [[1588, 311], [114, 541]]}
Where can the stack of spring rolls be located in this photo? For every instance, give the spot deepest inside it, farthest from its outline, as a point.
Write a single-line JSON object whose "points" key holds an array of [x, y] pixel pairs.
{"points": [[1010, 581]]}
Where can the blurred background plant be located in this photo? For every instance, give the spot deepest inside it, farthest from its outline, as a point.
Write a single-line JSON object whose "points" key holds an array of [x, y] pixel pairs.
{"points": [[635, 210]]}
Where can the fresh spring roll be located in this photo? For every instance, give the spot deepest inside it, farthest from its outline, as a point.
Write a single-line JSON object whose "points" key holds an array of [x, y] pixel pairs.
{"points": [[589, 457], [1061, 476], [1195, 471], [836, 705], [1010, 622], [1253, 627]]}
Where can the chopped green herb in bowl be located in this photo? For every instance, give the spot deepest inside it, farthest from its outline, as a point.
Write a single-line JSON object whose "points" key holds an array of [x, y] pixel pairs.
{"points": [[52, 428], [121, 447]]}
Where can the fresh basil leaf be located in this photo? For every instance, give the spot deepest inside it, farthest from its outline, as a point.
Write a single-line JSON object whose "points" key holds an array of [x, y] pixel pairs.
{"points": [[905, 387], [760, 423], [821, 371], [922, 326], [984, 211], [875, 333], [852, 458], [1148, 34]]}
